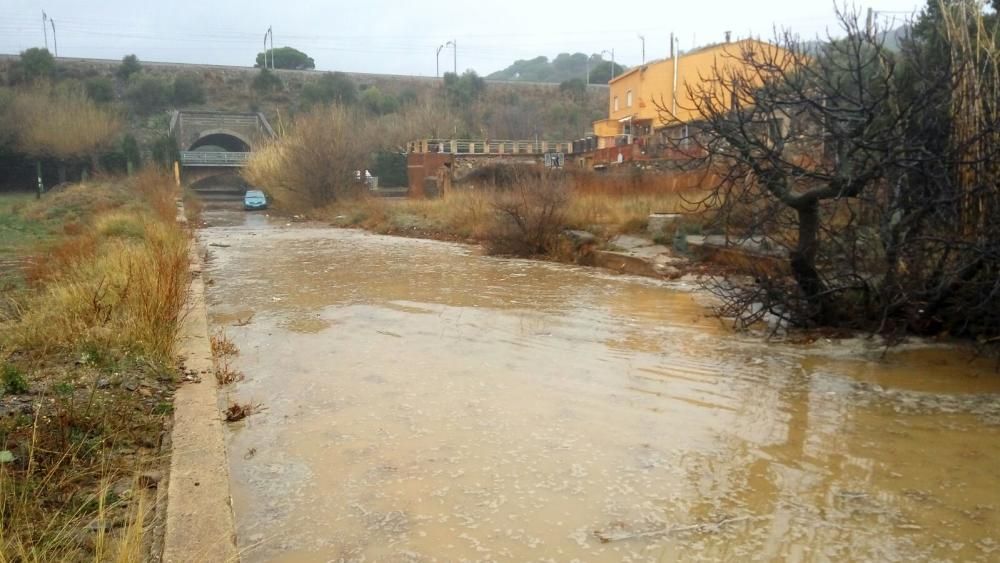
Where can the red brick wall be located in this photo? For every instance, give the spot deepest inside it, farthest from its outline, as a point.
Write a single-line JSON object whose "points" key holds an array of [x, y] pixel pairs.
{"points": [[420, 166]]}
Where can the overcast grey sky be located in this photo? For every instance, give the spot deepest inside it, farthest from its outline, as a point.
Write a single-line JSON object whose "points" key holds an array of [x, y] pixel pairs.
{"points": [[386, 36]]}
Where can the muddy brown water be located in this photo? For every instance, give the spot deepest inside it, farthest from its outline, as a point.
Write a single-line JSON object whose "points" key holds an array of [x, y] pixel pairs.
{"points": [[424, 403]]}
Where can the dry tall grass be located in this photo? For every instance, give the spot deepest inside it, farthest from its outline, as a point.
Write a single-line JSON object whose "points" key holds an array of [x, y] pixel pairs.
{"points": [[119, 284], [104, 308], [62, 122], [605, 205], [314, 162]]}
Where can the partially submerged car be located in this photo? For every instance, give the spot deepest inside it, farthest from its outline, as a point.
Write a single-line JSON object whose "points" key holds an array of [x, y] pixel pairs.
{"points": [[254, 199]]}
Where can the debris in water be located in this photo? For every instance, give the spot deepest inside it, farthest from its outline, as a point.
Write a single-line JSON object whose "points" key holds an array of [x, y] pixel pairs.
{"points": [[243, 322], [237, 412], [617, 530]]}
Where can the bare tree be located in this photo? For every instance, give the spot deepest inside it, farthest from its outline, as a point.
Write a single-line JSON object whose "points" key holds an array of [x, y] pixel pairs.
{"points": [[840, 153]]}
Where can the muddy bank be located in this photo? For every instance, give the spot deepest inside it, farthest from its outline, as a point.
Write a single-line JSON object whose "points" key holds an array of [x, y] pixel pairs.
{"points": [[425, 402]]}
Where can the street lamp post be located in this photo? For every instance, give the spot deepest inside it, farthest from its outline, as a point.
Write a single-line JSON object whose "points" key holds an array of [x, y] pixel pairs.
{"points": [[45, 29], [612, 53], [267, 33], [437, 62], [454, 49]]}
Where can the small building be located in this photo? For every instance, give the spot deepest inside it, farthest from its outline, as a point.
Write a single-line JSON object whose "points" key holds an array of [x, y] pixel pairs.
{"points": [[655, 99]]}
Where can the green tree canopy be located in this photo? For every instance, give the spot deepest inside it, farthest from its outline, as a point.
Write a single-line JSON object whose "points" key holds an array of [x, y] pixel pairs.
{"points": [[130, 65], [463, 90], [287, 58], [564, 67], [601, 74], [36, 64]]}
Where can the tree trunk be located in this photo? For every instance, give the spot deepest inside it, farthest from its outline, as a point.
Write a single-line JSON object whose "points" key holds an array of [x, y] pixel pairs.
{"points": [[803, 263]]}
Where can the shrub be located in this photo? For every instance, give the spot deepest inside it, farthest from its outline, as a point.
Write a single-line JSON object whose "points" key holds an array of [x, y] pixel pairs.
{"points": [[130, 150], [36, 64], [266, 82], [13, 380], [130, 65], [63, 123], [530, 216], [315, 164], [100, 89], [188, 90], [164, 150], [463, 90], [148, 94], [329, 88], [379, 103], [390, 167], [575, 88]]}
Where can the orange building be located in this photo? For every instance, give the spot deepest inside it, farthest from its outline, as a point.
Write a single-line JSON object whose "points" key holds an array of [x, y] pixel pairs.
{"points": [[638, 97]]}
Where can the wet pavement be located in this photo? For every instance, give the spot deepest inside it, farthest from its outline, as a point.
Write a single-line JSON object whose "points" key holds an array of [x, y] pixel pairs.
{"points": [[424, 403]]}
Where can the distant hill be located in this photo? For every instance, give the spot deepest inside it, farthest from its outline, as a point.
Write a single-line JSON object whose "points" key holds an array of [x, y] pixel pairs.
{"points": [[564, 67], [893, 39]]}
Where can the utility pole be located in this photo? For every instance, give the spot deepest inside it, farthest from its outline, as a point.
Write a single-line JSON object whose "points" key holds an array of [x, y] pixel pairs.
{"points": [[587, 65], [270, 33], [643, 39], [55, 42], [454, 52], [264, 67], [612, 53], [45, 29], [673, 83]]}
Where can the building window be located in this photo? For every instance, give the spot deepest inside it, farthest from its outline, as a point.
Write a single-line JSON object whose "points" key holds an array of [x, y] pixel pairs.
{"points": [[628, 99], [616, 103]]}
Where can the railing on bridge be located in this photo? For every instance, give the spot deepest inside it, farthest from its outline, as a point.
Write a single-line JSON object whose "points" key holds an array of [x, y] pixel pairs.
{"points": [[220, 120], [214, 158], [488, 147]]}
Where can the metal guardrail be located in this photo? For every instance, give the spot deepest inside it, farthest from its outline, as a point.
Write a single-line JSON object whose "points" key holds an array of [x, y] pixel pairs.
{"points": [[488, 147], [214, 158]]}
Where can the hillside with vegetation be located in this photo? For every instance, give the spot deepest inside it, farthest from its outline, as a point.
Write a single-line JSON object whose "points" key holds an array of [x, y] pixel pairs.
{"points": [[137, 99], [563, 68]]}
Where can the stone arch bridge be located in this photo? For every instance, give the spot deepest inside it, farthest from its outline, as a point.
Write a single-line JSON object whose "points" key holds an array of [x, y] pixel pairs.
{"points": [[214, 145]]}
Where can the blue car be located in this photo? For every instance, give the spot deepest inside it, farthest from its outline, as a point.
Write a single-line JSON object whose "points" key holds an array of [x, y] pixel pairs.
{"points": [[254, 199]]}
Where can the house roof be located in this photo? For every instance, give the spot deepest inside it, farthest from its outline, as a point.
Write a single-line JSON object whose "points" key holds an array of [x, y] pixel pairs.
{"points": [[701, 49]]}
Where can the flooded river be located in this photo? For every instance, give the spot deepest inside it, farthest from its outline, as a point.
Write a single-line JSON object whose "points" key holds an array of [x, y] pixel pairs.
{"points": [[424, 403]]}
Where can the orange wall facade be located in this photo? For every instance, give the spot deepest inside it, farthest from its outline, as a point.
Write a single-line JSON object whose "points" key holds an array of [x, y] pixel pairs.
{"points": [[650, 85]]}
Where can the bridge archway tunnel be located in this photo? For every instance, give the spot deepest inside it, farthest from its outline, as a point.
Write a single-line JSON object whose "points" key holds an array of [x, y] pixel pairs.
{"points": [[221, 141]]}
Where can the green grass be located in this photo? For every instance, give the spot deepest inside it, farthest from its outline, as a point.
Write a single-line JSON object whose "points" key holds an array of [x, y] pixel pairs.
{"points": [[17, 231]]}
